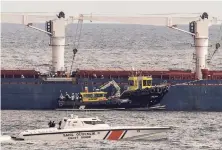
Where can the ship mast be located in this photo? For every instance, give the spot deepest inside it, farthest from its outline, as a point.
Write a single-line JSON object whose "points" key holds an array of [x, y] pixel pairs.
{"points": [[201, 30], [56, 30]]}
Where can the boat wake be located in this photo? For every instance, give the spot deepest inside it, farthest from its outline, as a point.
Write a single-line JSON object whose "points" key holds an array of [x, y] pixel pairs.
{"points": [[5, 138]]}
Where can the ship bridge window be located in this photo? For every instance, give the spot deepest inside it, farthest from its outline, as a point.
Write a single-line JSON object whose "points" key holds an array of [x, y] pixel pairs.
{"points": [[93, 122]]}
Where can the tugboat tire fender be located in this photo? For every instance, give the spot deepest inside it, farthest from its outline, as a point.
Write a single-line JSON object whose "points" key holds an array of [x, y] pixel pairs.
{"points": [[159, 90], [152, 90]]}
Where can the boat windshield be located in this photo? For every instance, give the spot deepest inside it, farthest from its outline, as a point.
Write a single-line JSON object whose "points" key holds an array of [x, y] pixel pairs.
{"points": [[93, 122]]}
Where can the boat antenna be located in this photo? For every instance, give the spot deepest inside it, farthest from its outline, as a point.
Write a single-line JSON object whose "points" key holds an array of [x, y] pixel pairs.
{"points": [[132, 70]]}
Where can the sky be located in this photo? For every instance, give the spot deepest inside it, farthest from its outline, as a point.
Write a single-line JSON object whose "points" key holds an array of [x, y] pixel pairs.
{"points": [[115, 7]]}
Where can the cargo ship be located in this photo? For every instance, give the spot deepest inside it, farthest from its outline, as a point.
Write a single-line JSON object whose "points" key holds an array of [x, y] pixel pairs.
{"points": [[198, 90]]}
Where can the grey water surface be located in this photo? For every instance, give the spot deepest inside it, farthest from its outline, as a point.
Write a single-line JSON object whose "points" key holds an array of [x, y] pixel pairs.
{"points": [[192, 130], [106, 46]]}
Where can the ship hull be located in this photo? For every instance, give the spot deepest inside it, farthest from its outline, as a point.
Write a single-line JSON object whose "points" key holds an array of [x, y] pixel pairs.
{"points": [[194, 98], [201, 96]]}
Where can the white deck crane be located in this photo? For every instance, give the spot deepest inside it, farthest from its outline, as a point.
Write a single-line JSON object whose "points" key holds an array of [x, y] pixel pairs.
{"points": [[117, 94], [198, 29], [55, 28]]}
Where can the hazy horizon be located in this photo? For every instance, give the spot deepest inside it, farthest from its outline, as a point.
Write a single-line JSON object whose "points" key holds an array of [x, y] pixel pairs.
{"points": [[115, 7]]}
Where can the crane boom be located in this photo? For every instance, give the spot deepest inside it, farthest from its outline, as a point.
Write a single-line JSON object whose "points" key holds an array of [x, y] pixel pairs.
{"points": [[143, 20], [117, 94], [157, 20], [25, 18], [20, 18]]}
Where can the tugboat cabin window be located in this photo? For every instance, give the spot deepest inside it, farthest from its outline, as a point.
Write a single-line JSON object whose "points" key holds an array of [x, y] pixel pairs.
{"points": [[99, 95], [93, 122], [144, 83], [147, 83], [88, 95], [131, 83]]}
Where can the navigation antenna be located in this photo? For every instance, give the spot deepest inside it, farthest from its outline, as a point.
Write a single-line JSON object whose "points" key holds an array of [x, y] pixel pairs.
{"points": [[77, 39]]}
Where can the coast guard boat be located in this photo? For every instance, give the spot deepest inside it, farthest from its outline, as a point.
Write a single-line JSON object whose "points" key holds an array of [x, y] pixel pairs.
{"points": [[75, 128]]}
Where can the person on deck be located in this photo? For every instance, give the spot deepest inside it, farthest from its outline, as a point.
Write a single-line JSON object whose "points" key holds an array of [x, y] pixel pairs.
{"points": [[60, 123], [67, 96], [53, 124], [50, 123], [73, 97]]}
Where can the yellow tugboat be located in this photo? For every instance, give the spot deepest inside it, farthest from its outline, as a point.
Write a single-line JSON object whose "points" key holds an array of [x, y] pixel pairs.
{"points": [[140, 93]]}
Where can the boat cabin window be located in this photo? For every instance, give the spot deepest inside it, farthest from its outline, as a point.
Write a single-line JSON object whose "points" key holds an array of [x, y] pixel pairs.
{"points": [[131, 83], [87, 95], [147, 83], [74, 123], [99, 95], [93, 122]]}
